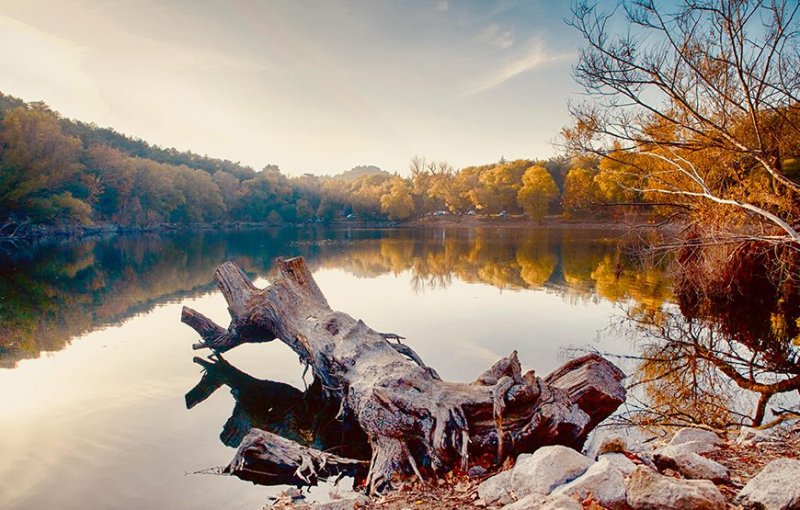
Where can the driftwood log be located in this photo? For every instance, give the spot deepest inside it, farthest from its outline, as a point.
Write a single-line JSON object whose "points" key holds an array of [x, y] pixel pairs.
{"points": [[415, 423]]}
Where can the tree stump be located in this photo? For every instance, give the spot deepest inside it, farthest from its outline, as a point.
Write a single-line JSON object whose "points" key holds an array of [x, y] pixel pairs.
{"points": [[416, 424]]}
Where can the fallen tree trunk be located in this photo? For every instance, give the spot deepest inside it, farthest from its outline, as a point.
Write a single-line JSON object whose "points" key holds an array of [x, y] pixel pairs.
{"points": [[268, 459], [416, 423]]}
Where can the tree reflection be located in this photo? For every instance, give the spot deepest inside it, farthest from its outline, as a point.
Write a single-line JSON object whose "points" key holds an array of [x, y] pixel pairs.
{"points": [[305, 417], [55, 292], [734, 329]]}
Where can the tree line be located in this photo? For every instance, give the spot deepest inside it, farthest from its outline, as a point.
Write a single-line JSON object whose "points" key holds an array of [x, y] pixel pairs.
{"points": [[63, 172]]}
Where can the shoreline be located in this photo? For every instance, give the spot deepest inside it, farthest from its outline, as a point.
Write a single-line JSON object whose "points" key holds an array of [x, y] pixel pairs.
{"points": [[38, 233]]}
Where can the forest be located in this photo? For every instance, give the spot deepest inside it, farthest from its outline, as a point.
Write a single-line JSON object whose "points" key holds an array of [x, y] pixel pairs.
{"points": [[61, 172]]}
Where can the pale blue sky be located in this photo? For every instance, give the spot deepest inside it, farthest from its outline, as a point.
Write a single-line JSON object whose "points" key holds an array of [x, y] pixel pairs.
{"points": [[310, 86]]}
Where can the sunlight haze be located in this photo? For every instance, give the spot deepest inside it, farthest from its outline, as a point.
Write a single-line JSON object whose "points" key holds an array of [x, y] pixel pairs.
{"points": [[315, 87]]}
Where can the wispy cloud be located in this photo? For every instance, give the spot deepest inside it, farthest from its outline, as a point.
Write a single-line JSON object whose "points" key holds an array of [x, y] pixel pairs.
{"points": [[495, 35], [442, 6], [536, 56]]}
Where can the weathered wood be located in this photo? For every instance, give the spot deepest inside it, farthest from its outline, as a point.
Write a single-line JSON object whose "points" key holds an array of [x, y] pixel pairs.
{"points": [[415, 422], [269, 459]]}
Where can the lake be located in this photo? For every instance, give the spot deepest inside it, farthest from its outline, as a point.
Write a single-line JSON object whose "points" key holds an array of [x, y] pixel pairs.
{"points": [[95, 364]]}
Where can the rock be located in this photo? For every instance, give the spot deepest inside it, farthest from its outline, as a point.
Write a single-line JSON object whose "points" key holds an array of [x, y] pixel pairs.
{"points": [[673, 450], [476, 471], [605, 440], [293, 493], [776, 487], [358, 501], [612, 444], [619, 461], [687, 435], [647, 459], [750, 435], [546, 469], [539, 502], [694, 466], [648, 490], [497, 489], [604, 482]]}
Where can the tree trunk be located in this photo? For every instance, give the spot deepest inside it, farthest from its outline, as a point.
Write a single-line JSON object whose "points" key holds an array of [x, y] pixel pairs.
{"points": [[416, 424]]}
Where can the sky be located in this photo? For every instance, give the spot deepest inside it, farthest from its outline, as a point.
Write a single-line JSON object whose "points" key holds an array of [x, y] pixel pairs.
{"points": [[311, 86]]}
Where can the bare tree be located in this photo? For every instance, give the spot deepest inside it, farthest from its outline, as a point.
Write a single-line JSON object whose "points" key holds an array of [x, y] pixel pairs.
{"points": [[700, 104]]}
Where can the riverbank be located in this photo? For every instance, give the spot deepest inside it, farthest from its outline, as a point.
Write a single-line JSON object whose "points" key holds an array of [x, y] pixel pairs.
{"points": [[51, 232], [523, 222], [734, 470]]}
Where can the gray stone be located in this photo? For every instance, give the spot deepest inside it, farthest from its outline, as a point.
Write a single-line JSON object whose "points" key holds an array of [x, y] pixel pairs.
{"points": [[673, 450], [687, 435], [358, 501], [607, 440], [648, 490], [776, 487], [612, 444], [293, 493], [476, 471], [539, 502], [750, 435], [546, 469], [497, 489], [604, 482], [619, 461], [695, 466]]}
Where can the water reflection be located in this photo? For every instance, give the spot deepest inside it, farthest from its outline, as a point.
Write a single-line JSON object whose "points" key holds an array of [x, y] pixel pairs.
{"points": [[306, 417], [54, 292], [730, 346]]}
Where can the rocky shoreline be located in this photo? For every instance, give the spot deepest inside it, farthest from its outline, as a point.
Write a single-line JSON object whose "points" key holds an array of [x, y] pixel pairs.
{"points": [[622, 470]]}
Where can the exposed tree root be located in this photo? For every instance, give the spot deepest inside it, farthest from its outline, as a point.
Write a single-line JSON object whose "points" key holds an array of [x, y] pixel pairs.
{"points": [[415, 423]]}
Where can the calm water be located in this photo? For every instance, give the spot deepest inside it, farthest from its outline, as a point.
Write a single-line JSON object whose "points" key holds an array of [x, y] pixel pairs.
{"points": [[94, 362]]}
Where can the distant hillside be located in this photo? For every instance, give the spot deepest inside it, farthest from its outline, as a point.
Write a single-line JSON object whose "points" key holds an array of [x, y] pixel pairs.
{"points": [[91, 134], [357, 172], [61, 173]]}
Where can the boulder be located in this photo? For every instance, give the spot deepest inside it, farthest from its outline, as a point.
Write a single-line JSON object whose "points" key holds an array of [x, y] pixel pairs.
{"points": [[619, 461], [539, 502], [687, 435], [604, 482], [673, 450], [546, 469], [497, 489], [648, 490], [608, 440], [776, 487], [612, 444], [750, 435], [694, 466], [351, 503]]}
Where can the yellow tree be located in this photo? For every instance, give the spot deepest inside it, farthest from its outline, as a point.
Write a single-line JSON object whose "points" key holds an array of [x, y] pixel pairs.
{"points": [[538, 189], [40, 167], [580, 190], [705, 93], [397, 204], [501, 183]]}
